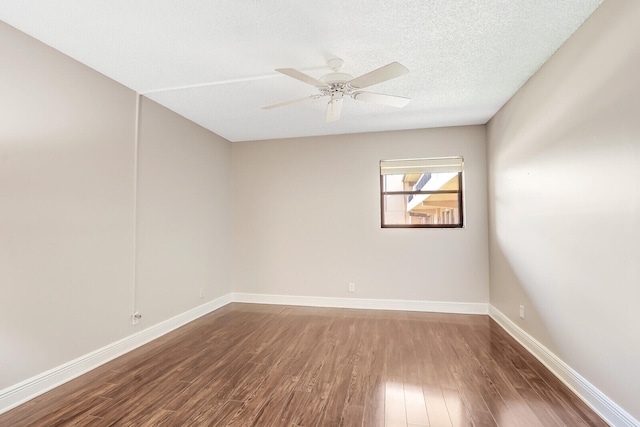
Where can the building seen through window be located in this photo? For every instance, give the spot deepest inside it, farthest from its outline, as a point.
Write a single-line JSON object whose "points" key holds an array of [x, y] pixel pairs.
{"points": [[422, 193]]}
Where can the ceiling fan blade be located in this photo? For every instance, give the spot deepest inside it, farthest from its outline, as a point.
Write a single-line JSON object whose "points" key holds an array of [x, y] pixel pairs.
{"points": [[298, 75], [334, 108], [293, 101], [380, 98], [382, 74]]}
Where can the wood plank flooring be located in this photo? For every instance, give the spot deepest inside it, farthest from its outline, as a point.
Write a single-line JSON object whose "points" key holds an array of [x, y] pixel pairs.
{"points": [[257, 365]]}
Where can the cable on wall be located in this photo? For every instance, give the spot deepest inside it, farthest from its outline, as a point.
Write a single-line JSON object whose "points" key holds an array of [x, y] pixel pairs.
{"points": [[135, 315]]}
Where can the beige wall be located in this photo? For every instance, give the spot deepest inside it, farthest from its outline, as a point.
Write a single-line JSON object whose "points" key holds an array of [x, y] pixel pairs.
{"points": [[67, 178], [564, 197], [66, 206], [307, 220], [184, 215]]}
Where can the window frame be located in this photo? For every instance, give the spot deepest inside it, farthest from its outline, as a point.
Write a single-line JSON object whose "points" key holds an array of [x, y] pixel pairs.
{"points": [[459, 192]]}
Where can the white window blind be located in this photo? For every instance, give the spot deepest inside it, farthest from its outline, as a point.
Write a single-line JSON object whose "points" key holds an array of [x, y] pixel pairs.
{"points": [[411, 166]]}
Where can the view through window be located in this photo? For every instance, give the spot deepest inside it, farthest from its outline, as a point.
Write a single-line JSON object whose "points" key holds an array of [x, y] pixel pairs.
{"points": [[422, 193]]}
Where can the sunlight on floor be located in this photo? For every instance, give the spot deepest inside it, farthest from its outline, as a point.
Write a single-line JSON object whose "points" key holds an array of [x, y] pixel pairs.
{"points": [[405, 405]]}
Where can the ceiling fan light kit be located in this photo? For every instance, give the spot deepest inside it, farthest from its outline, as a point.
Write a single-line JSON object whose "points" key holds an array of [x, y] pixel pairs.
{"points": [[336, 85]]}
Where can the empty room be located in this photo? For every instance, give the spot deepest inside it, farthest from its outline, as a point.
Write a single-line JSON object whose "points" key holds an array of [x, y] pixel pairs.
{"points": [[293, 213]]}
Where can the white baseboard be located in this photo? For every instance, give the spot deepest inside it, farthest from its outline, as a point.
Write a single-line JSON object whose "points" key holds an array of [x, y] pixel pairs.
{"points": [[28, 389], [370, 304], [598, 401]]}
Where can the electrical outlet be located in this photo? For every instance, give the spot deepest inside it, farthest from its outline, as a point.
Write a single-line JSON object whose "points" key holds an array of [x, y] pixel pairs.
{"points": [[352, 287], [522, 311], [135, 317]]}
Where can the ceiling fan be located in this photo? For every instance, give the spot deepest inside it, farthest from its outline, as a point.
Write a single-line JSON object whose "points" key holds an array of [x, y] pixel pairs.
{"points": [[337, 85]]}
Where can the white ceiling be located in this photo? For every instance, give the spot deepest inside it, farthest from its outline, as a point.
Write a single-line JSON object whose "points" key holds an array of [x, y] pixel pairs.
{"points": [[213, 61]]}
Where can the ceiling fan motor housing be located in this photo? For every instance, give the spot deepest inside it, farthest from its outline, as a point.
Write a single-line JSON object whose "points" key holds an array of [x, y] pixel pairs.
{"points": [[332, 78], [336, 80]]}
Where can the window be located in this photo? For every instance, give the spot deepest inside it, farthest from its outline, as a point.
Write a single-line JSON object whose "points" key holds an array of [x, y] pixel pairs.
{"points": [[421, 193]]}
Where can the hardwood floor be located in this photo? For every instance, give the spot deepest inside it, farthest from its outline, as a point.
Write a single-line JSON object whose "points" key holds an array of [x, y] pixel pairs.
{"points": [[257, 365]]}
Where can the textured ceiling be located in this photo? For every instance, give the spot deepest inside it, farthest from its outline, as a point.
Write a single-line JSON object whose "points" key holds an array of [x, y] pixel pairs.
{"points": [[213, 61]]}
